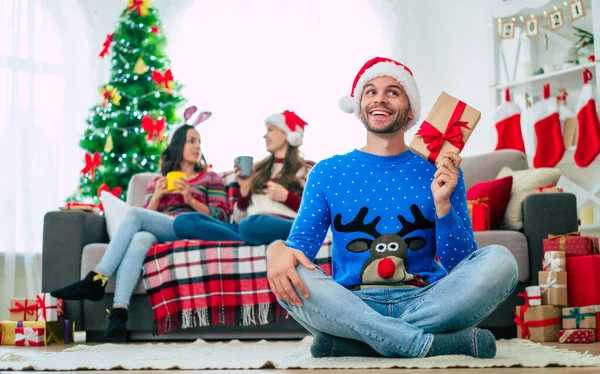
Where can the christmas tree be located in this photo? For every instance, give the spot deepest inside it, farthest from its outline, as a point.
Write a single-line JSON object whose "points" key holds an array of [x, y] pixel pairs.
{"points": [[125, 133]]}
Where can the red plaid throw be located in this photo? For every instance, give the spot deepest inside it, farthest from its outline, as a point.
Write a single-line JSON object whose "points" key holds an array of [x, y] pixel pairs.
{"points": [[192, 283]]}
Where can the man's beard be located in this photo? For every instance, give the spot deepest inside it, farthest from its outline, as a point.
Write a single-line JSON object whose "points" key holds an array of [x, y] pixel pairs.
{"points": [[397, 124]]}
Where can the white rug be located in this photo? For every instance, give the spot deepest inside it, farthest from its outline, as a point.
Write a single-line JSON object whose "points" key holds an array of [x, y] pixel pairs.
{"points": [[271, 355]]}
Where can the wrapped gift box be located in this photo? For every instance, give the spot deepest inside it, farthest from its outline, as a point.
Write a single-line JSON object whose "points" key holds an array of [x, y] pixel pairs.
{"points": [[479, 212], [577, 336], [30, 336], [573, 244], [554, 287], [60, 332], [538, 323], [9, 329], [447, 128], [532, 296], [554, 261], [47, 307], [579, 318], [22, 309], [583, 276]]}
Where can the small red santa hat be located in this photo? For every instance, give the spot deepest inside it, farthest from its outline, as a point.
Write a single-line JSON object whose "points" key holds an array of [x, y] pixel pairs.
{"points": [[380, 67], [291, 124]]}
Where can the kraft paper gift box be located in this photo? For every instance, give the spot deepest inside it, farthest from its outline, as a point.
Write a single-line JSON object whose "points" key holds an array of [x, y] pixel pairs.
{"points": [[538, 323], [554, 261], [22, 309], [579, 318], [554, 287], [447, 128], [577, 336]]}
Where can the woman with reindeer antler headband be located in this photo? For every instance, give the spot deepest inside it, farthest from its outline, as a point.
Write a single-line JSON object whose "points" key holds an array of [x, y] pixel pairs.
{"points": [[195, 190], [269, 195]]}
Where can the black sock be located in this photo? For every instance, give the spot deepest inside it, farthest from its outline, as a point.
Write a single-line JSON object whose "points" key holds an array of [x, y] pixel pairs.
{"points": [[91, 288], [325, 345], [472, 342], [117, 323]]}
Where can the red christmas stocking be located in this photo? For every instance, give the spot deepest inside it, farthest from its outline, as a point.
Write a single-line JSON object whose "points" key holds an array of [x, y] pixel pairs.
{"points": [[588, 140], [550, 146], [507, 118]]}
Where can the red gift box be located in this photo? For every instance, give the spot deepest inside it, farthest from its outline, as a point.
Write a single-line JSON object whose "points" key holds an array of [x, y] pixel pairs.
{"points": [[30, 336], [572, 244], [583, 278], [479, 212], [577, 336]]}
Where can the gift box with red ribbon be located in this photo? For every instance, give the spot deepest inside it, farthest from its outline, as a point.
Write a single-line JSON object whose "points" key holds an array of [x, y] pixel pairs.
{"points": [[538, 323], [30, 336], [447, 128], [479, 212], [548, 189], [573, 244], [22, 309], [47, 307], [9, 329], [577, 336], [583, 277]]}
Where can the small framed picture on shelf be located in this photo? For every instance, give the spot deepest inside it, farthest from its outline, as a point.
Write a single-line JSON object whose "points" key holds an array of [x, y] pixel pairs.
{"points": [[507, 30], [531, 25], [556, 20], [577, 10]]}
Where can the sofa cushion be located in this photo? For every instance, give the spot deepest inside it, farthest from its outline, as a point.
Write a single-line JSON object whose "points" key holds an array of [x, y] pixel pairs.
{"points": [[524, 184], [496, 194], [516, 243], [91, 256]]}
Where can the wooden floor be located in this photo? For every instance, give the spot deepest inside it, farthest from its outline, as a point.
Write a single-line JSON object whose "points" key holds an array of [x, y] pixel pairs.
{"points": [[590, 348]]}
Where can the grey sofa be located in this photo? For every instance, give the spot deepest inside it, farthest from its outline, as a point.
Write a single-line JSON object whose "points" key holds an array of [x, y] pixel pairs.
{"points": [[74, 242]]}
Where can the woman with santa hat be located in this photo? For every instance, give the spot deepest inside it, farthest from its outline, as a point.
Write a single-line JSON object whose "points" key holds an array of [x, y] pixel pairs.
{"points": [[269, 198]]}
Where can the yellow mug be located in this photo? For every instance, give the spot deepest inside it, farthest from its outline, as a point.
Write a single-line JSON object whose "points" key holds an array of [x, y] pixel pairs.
{"points": [[173, 176]]}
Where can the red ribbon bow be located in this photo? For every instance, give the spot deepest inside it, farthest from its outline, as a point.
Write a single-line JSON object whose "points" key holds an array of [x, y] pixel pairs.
{"points": [[435, 139], [91, 163], [137, 5], [154, 127], [26, 309], [115, 191], [165, 78], [41, 304], [106, 45]]}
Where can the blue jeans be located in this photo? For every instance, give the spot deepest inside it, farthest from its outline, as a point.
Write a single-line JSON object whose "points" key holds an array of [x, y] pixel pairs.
{"points": [[138, 232], [256, 229], [399, 322]]}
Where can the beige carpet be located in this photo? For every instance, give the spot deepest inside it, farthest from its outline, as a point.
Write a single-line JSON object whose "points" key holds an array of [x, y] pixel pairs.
{"points": [[277, 355]]}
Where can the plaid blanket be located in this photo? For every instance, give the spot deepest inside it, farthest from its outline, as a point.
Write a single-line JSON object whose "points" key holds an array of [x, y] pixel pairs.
{"points": [[193, 283]]}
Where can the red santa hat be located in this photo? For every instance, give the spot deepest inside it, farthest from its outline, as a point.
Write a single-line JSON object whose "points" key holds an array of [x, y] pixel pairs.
{"points": [[291, 124], [380, 67]]}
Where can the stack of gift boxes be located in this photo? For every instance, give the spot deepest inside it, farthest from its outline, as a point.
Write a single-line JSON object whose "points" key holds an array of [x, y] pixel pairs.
{"points": [[36, 322], [566, 304]]}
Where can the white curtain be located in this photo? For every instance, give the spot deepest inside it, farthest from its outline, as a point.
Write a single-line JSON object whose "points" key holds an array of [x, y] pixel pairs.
{"points": [[45, 90]]}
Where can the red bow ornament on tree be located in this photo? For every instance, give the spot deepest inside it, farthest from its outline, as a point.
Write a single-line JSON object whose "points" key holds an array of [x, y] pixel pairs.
{"points": [[106, 45], [141, 6], [435, 139], [164, 79], [154, 127], [115, 192], [91, 163]]}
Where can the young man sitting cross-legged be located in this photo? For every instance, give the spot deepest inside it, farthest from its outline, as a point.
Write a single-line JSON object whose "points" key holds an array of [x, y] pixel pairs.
{"points": [[408, 280]]}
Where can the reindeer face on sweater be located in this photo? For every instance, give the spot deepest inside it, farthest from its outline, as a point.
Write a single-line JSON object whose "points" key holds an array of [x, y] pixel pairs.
{"points": [[388, 262]]}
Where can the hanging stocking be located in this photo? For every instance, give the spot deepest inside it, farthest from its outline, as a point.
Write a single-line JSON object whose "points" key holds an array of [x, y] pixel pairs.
{"points": [[550, 146], [507, 118], [588, 140]]}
